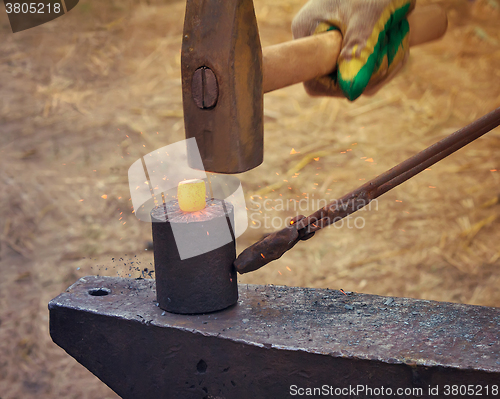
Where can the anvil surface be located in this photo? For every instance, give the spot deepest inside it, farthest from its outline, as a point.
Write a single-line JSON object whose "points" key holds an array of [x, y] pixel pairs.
{"points": [[273, 338]]}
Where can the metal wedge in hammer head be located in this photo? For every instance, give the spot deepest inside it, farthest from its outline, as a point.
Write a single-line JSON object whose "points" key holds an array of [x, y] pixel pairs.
{"points": [[222, 84]]}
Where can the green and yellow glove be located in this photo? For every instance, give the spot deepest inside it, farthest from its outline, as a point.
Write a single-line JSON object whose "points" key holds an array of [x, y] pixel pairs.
{"points": [[375, 42]]}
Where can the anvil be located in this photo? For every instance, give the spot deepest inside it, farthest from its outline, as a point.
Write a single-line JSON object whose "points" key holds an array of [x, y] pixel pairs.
{"points": [[274, 340]]}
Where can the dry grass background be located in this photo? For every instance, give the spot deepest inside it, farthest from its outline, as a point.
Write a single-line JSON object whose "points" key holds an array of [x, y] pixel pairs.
{"points": [[84, 96]]}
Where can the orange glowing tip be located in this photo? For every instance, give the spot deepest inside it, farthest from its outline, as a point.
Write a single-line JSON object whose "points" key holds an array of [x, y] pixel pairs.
{"points": [[191, 195], [342, 291]]}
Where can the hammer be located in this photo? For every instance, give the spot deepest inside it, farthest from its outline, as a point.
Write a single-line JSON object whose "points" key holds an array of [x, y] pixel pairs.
{"points": [[225, 74]]}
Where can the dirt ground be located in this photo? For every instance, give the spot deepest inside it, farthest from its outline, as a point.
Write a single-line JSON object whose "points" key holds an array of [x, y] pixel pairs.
{"points": [[84, 96]]}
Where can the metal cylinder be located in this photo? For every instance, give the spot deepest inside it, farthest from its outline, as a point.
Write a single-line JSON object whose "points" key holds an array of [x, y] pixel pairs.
{"points": [[193, 255]]}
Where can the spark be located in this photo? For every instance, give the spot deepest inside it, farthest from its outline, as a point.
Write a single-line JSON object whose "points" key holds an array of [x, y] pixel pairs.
{"points": [[294, 152], [432, 186], [342, 291], [493, 170], [263, 256], [369, 160], [280, 273], [289, 269], [104, 196], [399, 201], [81, 200], [316, 159]]}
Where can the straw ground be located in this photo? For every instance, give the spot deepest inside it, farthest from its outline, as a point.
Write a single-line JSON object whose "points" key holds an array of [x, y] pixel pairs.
{"points": [[86, 95]]}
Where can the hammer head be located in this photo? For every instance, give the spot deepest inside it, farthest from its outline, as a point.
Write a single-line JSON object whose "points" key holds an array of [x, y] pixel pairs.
{"points": [[221, 67]]}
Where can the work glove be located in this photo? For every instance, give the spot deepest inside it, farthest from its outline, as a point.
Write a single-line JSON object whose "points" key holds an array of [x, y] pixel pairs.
{"points": [[375, 42]]}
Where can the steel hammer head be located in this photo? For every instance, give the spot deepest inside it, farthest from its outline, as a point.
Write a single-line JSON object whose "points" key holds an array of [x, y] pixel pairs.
{"points": [[221, 67]]}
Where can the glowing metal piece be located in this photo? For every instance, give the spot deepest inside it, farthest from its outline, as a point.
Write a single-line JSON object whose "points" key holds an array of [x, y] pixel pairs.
{"points": [[191, 195]]}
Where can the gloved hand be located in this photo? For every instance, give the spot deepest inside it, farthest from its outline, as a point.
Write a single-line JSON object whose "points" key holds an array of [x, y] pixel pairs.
{"points": [[375, 42]]}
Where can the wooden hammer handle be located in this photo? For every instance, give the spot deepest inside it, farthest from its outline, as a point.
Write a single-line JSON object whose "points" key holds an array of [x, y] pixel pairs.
{"points": [[313, 56]]}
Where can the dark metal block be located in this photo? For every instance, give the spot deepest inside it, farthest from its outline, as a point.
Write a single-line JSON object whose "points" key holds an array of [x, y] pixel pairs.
{"points": [[275, 337], [203, 283]]}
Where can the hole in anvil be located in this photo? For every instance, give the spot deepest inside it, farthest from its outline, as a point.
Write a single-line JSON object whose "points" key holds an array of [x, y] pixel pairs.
{"points": [[99, 291], [201, 366]]}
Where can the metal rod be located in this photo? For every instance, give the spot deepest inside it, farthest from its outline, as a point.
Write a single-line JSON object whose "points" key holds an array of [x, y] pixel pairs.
{"points": [[407, 169], [276, 244]]}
